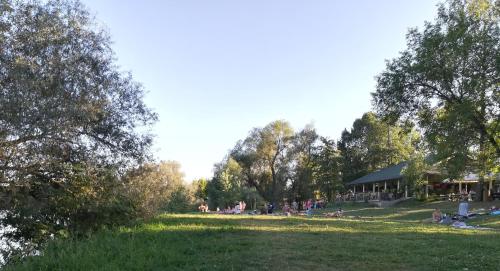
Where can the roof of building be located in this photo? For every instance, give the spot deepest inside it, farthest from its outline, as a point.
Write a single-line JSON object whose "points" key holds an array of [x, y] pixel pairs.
{"points": [[385, 174], [395, 172]]}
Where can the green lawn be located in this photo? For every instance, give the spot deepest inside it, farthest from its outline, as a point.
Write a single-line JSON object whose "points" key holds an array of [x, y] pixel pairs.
{"points": [[368, 239]]}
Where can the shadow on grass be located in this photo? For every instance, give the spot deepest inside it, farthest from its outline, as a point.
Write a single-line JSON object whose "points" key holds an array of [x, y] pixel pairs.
{"points": [[198, 242], [302, 224]]}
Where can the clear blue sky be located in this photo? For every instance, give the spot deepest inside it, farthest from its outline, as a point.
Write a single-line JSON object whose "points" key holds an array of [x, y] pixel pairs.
{"points": [[215, 69]]}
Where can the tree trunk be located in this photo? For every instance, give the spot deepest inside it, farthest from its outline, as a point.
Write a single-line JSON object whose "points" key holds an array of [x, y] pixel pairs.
{"points": [[479, 194], [482, 140], [273, 185]]}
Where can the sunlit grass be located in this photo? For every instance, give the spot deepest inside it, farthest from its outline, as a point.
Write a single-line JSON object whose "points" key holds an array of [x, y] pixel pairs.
{"points": [[284, 224], [366, 239]]}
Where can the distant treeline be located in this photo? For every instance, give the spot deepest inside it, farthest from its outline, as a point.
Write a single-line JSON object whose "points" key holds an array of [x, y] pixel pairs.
{"points": [[439, 99], [275, 163]]}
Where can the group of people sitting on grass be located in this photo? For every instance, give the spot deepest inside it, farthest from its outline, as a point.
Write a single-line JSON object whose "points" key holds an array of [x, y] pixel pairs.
{"points": [[238, 208], [463, 213], [269, 208], [293, 208]]}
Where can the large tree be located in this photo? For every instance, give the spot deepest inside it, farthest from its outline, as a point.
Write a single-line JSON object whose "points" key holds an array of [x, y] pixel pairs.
{"points": [[264, 160], [68, 116], [448, 80], [372, 144], [327, 166], [225, 188], [301, 184], [228, 186]]}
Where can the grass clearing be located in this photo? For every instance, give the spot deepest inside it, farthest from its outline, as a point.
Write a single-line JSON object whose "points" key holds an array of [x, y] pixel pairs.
{"points": [[368, 239]]}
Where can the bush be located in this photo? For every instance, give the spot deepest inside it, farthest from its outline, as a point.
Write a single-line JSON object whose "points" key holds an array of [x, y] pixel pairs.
{"points": [[88, 199], [152, 187], [180, 201]]}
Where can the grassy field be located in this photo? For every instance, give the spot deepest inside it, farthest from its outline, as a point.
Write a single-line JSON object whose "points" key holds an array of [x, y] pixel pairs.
{"points": [[367, 238]]}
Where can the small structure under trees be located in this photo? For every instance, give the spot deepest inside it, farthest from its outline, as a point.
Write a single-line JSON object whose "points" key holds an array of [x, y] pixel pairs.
{"points": [[384, 184], [391, 183]]}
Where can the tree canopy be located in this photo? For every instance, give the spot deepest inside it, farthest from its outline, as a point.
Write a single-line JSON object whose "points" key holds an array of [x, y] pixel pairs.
{"points": [[279, 164], [68, 119], [447, 81], [373, 144], [152, 186], [263, 157]]}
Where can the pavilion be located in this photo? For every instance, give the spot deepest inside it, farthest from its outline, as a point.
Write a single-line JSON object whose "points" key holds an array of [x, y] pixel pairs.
{"points": [[386, 183]]}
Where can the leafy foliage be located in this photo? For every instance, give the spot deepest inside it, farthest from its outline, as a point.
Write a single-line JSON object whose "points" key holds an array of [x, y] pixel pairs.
{"points": [[180, 200], [276, 164], [228, 186], [200, 189], [447, 80], [327, 169], [68, 122], [414, 174], [264, 160], [153, 186], [300, 183], [373, 144]]}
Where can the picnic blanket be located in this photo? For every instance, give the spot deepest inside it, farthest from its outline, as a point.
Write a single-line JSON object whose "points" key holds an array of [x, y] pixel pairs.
{"points": [[462, 225]]}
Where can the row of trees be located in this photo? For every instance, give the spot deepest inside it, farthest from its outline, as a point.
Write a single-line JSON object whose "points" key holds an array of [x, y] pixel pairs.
{"points": [[446, 85], [276, 163]]}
